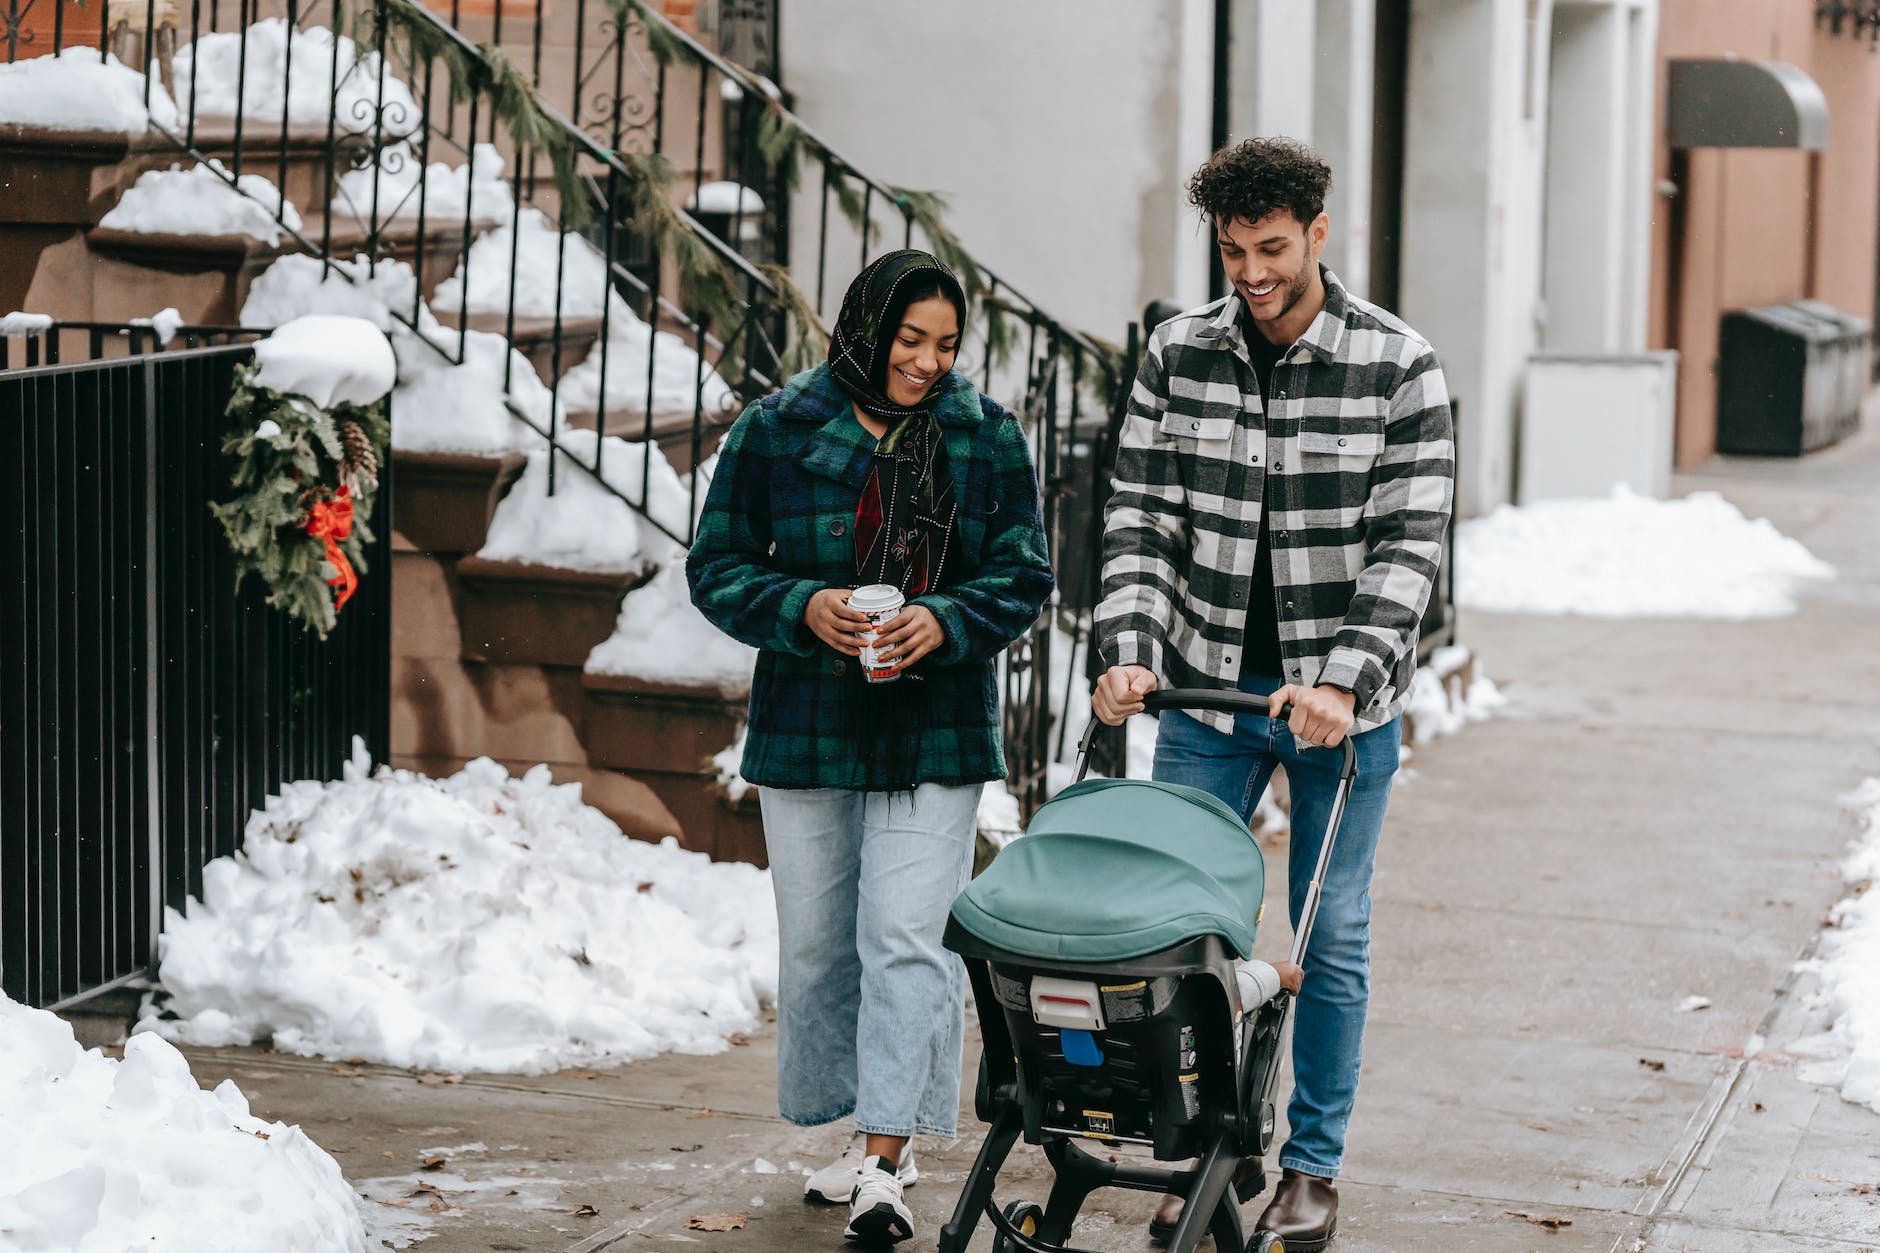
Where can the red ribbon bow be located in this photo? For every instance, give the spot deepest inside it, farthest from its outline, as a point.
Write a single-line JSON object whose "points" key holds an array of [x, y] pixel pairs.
{"points": [[331, 521]]}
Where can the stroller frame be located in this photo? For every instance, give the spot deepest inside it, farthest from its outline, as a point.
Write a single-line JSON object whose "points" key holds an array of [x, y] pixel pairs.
{"points": [[1242, 1133]]}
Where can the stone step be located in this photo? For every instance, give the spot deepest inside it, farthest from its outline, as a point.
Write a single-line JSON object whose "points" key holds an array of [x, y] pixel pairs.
{"points": [[516, 611]]}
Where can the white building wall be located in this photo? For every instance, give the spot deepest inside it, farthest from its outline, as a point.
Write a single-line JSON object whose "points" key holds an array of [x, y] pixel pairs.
{"points": [[1062, 131]]}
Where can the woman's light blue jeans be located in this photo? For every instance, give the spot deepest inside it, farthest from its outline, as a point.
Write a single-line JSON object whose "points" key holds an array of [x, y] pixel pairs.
{"points": [[1328, 1020], [870, 1007]]}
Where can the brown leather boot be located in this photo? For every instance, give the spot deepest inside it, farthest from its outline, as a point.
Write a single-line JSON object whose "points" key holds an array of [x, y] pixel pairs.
{"points": [[1169, 1212], [1303, 1212]]}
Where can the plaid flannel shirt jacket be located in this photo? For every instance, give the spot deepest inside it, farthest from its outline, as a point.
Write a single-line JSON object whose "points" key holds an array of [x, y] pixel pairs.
{"points": [[1349, 474]]}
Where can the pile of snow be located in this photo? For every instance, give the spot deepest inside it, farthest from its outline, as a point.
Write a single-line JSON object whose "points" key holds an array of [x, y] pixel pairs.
{"points": [[331, 360], [1631, 556], [1434, 710], [728, 760], [681, 386], [477, 922], [100, 1156], [662, 637], [76, 91], [201, 201], [1848, 968], [442, 406], [536, 243], [725, 197], [479, 186], [165, 323], [297, 284], [583, 525], [14, 325], [268, 72]]}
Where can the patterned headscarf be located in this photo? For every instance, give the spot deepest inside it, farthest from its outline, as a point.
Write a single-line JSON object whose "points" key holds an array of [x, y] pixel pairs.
{"points": [[904, 520], [871, 314]]}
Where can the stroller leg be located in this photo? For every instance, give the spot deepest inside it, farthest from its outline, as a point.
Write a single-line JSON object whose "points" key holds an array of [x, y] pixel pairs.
{"points": [[1211, 1205], [1007, 1123], [1076, 1175]]}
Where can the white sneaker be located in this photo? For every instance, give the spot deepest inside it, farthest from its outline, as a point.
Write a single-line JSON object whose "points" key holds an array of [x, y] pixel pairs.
{"points": [[835, 1183], [878, 1215]]}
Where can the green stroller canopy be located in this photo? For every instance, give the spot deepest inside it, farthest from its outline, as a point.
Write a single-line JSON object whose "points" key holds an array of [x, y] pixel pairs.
{"points": [[1117, 868]]}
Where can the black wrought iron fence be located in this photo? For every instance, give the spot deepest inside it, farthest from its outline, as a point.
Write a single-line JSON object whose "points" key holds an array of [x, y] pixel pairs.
{"points": [[146, 709]]}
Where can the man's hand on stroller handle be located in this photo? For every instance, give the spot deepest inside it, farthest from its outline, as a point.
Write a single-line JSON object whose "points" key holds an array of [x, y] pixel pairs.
{"points": [[1119, 691], [1320, 715]]}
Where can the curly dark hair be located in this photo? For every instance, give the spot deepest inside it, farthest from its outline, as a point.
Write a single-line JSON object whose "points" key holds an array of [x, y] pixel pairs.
{"points": [[1255, 177]]}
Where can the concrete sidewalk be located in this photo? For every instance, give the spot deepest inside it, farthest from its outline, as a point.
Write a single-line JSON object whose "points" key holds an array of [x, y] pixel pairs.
{"points": [[1654, 816]]}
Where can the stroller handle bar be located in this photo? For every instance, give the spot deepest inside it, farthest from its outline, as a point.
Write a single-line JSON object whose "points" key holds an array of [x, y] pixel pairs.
{"points": [[1219, 700]]}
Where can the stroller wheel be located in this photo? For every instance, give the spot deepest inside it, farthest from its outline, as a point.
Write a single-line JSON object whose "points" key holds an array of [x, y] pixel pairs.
{"points": [[1266, 1242], [1024, 1215]]}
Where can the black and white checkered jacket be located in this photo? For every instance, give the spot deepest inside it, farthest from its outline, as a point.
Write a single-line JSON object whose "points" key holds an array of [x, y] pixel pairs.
{"points": [[1353, 468]]}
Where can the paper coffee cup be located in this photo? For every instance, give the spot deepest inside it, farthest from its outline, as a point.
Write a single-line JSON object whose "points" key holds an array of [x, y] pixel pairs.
{"points": [[882, 603]]}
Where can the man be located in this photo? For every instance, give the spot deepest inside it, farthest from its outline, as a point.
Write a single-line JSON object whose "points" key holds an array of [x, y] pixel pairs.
{"points": [[1285, 474]]}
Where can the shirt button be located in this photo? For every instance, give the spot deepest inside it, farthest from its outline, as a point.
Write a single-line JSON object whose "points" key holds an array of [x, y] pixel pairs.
{"points": [[838, 666], [838, 526]]}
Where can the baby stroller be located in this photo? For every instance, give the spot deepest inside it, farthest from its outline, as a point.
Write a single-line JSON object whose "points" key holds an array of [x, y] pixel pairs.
{"points": [[1101, 951]]}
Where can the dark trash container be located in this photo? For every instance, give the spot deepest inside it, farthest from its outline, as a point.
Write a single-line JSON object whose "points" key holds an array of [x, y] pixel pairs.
{"points": [[1790, 378]]}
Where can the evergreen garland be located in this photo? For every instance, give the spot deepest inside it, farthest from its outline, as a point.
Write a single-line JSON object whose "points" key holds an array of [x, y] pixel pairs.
{"points": [[289, 456]]}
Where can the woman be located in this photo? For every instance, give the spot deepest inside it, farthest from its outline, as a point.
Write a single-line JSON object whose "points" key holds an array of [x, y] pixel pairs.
{"points": [[881, 466]]}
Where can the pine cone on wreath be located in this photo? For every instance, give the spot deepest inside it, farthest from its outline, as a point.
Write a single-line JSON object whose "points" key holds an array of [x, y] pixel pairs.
{"points": [[359, 463]]}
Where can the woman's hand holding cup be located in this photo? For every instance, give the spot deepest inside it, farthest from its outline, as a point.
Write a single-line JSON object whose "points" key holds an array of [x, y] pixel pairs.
{"points": [[830, 619], [911, 635]]}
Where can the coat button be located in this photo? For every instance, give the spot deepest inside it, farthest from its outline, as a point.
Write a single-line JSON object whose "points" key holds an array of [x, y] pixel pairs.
{"points": [[838, 666], [1289, 605], [1194, 426], [838, 526], [1254, 460], [1279, 465], [1341, 443]]}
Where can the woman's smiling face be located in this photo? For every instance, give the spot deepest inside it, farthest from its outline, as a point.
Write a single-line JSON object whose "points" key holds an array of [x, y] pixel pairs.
{"points": [[923, 349]]}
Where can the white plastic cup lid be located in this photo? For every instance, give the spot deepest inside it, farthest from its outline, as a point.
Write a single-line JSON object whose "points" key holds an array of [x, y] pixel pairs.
{"points": [[875, 597]]}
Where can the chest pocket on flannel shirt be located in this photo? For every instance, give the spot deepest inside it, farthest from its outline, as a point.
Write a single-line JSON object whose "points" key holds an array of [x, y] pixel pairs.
{"points": [[1204, 441], [1341, 445]]}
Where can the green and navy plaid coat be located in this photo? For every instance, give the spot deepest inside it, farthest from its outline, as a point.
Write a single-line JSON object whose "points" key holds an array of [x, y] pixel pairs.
{"points": [[778, 528]]}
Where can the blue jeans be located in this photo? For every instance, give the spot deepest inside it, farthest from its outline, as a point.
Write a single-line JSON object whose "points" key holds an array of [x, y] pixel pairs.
{"points": [[870, 1007], [1328, 1021]]}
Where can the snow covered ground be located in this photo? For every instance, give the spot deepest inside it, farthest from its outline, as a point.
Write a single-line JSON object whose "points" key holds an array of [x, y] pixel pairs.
{"points": [[1847, 967], [1631, 556], [478, 922], [100, 1156]]}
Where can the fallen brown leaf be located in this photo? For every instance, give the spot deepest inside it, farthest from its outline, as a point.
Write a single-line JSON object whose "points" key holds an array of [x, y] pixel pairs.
{"points": [[262, 1135], [586, 1211], [1537, 1126], [348, 1072], [715, 1222], [1549, 1221], [1651, 1063], [356, 1061], [437, 1207], [645, 887], [431, 1079], [389, 1154], [739, 1038], [434, 1163]]}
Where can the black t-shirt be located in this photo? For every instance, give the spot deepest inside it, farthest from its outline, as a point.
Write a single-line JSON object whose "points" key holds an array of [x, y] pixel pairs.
{"points": [[1260, 653]]}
